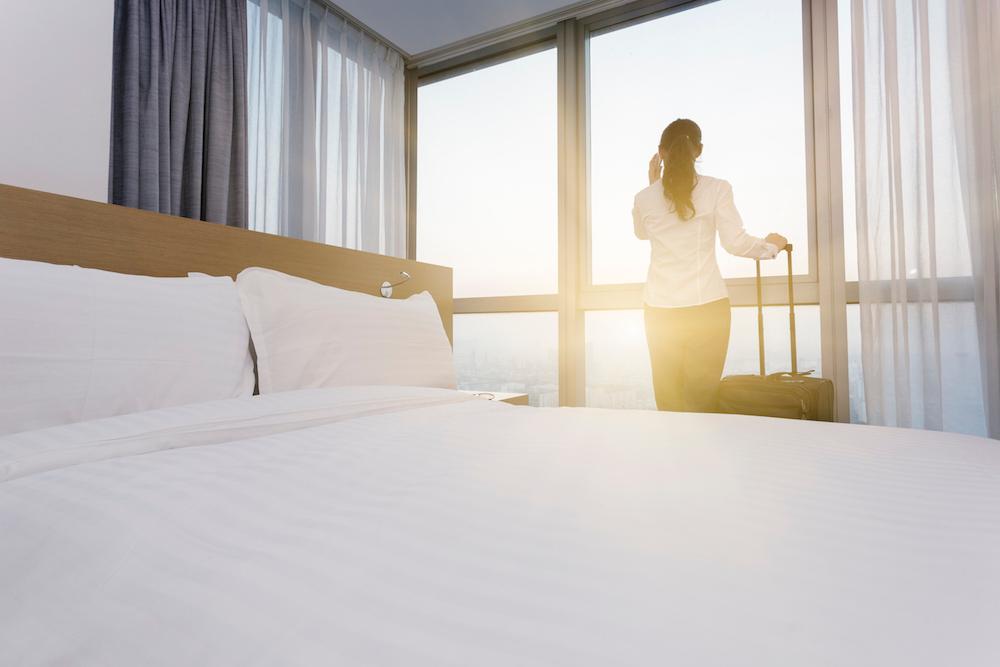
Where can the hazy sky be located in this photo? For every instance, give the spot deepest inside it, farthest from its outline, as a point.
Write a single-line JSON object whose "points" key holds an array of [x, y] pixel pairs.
{"points": [[487, 179]]}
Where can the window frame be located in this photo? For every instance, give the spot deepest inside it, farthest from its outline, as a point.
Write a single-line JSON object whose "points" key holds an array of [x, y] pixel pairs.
{"points": [[823, 285]]}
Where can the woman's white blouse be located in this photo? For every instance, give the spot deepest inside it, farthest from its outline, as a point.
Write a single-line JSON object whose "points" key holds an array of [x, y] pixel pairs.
{"points": [[682, 267]]}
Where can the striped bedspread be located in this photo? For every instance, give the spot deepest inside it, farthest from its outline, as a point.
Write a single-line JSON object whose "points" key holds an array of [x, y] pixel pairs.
{"points": [[403, 526]]}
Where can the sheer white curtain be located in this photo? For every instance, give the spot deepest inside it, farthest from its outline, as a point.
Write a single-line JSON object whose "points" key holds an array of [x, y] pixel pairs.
{"points": [[923, 195], [326, 129], [974, 30]]}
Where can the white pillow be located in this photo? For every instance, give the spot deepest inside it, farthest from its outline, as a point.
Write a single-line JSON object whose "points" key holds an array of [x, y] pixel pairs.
{"points": [[309, 335], [78, 344]]}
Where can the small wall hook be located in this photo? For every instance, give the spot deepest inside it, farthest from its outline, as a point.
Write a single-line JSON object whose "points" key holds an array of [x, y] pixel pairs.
{"points": [[386, 288]]}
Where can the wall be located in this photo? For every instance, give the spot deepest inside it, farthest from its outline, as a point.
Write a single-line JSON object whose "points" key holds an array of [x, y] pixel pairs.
{"points": [[55, 95]]}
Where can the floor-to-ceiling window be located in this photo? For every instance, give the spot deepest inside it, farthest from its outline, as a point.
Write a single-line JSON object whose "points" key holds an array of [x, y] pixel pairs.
{"points": [[737, 69], [490, 191], [487, 205]]}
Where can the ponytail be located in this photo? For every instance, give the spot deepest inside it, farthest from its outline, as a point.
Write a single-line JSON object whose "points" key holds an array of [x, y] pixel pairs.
{"points": [[681, 142]]}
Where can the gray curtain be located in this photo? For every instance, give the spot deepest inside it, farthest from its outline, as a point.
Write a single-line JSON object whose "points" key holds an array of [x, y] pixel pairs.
{"points": [[178, 109]]}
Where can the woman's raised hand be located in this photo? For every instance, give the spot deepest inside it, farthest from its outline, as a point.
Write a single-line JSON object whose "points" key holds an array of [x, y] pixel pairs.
{"points": [[655, 167], [777, 240]]}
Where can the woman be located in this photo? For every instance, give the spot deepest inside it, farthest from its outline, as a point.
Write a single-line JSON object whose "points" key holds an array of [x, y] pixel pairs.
{"points": [[686, 303]]}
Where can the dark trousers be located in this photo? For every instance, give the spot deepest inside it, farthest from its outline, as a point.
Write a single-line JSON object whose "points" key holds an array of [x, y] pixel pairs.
{"points": [[687, 352]]}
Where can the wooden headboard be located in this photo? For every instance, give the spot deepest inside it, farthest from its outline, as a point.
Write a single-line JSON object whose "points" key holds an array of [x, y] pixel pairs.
{"points": [[63, 230]]}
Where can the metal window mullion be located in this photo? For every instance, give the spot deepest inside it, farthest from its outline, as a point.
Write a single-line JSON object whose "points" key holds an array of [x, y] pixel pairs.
{"points": [[410, 159], [629, 297], [820, 30], [572, 210], [949, 289], [535, 303]]}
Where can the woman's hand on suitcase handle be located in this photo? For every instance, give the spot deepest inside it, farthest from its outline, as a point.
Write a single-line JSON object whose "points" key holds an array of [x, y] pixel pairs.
{"points": [[777, 240]]}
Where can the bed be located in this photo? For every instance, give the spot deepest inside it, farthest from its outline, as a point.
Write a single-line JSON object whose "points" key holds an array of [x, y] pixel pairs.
{"points": [[392, 525]]}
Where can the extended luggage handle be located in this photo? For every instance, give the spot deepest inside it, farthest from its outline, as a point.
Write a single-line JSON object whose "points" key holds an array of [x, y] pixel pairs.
{"points": [[791, 315]]}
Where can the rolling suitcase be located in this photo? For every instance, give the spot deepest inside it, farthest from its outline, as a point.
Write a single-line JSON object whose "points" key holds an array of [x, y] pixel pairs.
{"points": [[792, 395]]}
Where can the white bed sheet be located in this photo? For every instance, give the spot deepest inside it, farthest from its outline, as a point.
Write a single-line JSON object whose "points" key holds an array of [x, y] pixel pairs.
{"points": [[404, 526]]}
